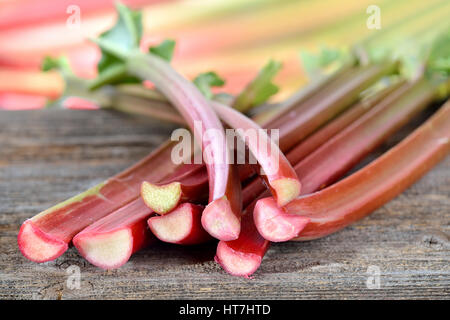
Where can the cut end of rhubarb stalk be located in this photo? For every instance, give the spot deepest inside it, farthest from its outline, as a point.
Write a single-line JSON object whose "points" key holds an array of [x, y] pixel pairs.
{"points": [[236, 263], [219, 220], [161, 199], [177, 226], [286, 190], [107, 251], [276, 225], [37, 245]]}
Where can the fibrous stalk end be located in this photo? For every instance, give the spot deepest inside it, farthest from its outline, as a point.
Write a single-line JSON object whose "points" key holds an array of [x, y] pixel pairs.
{"points": [[161, 199], [236, 263], [286, 190], [274, 224], [37, 245], [105, 250], [173, 227], [219, 220]]}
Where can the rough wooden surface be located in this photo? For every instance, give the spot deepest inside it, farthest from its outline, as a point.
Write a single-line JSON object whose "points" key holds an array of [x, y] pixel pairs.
{"points": [[48, 156]]}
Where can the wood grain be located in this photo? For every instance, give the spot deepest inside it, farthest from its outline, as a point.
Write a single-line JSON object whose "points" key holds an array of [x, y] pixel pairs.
{"points": [[47, 156]]}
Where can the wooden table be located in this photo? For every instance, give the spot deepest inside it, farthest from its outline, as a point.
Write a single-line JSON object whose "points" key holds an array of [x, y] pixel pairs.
{"points": [[48, 156]]}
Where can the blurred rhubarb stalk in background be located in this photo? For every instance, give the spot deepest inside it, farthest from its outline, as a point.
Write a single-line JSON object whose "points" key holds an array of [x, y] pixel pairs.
{"points": [[233, 37]]}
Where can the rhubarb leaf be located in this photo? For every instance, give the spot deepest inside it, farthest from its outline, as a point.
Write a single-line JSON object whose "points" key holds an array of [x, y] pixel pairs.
{"points": [[127, 32], [205, 81], [314, 64], [439, 55], [164, 50], [260, 89], [60, 64], [114, 43]]}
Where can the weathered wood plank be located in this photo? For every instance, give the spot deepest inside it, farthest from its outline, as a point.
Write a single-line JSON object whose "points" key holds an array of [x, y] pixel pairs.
{"points": [[48, 156]]}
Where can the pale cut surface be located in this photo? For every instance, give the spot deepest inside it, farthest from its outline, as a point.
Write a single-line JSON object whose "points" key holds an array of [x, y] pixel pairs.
{"points": [[286, 190], [236, 263], [276, 225], [161, 199], [173, 227], [38, 246], [106, 251], [220, 222]]}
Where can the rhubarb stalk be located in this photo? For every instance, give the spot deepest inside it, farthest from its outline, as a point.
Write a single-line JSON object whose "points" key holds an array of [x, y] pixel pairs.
{"points": [[277, 171], [344, 150], [181, 226], [173, 189], [361, 193], [107, 246], [47, 235], [187, 177], [252, 243], [121, 43], [327, 105]]}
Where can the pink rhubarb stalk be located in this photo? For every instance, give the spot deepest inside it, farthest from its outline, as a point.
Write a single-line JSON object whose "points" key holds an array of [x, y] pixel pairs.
{"points": [[253, 238], [277, 171], [174, 190], [223, 210], [321, 136], [109, 242], [255, 187], [47, 235], [243, 256], [361, 193], [298, 123], [344, 150], [189, 178]]}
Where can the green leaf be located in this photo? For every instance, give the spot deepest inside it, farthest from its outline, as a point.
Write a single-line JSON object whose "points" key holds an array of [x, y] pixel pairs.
{"points": [[61, 64], [164, 50], [260, 89], [314, 64], [127, 32], [205, 81], [114, 43], [439, 56]]}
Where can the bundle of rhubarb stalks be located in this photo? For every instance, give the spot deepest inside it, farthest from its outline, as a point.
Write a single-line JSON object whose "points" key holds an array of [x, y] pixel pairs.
{"points": [[300, 190]]}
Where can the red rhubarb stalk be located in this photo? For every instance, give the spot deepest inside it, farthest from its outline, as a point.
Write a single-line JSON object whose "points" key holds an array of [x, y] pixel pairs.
{"points": [[223, 210], [109, 242], [361, 193], [181, 226], [243, 256], [47, 235], [255, 187], [187, 177], [253, 239], [296, 124], [174, 191], [277, 171], [122, 59], [344, 150], [321, 136]]}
